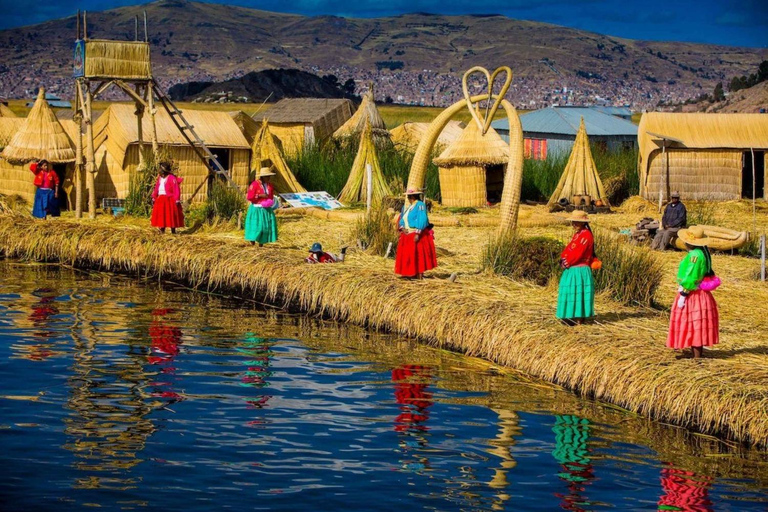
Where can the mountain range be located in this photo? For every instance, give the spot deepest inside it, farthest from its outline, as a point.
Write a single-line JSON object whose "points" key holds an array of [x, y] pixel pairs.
{"points": [[413, 58]]}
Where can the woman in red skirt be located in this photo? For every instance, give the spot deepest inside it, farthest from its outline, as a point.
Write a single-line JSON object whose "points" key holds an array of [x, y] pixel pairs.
{"points": [[416, 246], [166, 211], [695, 322]]}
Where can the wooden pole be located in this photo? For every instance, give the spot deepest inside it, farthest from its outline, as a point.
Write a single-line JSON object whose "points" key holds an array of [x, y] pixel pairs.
{"points": [[754, 186], [664, 173], [85, 25], [152, 111], [78, 25], [78, 118], [140, 127], [146, 37], [136, 28], [762, 258], [90, 154], [369, 187]]}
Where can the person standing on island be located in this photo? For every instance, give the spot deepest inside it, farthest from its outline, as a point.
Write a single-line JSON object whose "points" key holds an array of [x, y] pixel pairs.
{"points": [[416, 246], [576, 292], [260, 222], [675, 218], [695, 322], [47, 193], [166, 207]]}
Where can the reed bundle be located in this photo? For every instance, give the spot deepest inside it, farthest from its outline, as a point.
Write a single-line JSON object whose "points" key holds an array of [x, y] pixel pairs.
{"points": [[265, 148], [366, 112], [117, 59], [619, 360], [355, 189], [5, 111], [41, 137], [580, 176]]}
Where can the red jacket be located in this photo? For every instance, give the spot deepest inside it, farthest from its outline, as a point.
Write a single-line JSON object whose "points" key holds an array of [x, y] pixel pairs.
{"points": [[44, 179], [172, 187], [323, 258], [580, 251], [256, 189]]}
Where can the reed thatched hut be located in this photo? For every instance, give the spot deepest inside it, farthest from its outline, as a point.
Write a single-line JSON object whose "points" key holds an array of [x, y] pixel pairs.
{"points": [[266, 151], [580, 181], [367, 111], [356, 188], [407, 136], [247, 125], [5, 111], [703, 156], [472, 168], [38, 136], [117, 155], [302, 122]]}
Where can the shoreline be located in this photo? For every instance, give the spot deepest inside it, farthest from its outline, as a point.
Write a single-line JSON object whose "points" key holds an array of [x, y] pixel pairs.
{"points": [[506, 327]]}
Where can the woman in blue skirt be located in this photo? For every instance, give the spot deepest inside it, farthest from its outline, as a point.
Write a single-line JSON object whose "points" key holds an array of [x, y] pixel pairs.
{"points": [[47, 193], [576, 293], [261, 223]]}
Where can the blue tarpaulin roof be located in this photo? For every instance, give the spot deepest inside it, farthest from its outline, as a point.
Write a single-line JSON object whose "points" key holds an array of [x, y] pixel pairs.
{"points": [[565, 121]]}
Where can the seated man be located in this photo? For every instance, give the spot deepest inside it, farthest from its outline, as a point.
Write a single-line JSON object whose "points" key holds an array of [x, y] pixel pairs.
{"points": [[316, 255], [675, 218]]}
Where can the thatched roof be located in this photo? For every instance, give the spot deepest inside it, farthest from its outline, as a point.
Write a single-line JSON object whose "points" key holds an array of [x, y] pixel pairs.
{"points": [[40, 137], [366, 111], [700, 131], [265, 147], [580, 176], [247, 125], [356, 188], [117, 59], [473, 148], [5, 111], [118, 126], [8, 128], [408, 135], [305, 110]]}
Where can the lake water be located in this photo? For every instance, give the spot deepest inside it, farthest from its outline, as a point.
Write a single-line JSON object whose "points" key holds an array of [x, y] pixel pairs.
{"points": [[137, 395]]}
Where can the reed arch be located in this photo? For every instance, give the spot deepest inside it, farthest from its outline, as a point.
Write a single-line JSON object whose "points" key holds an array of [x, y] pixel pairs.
{"points": [[513, 179]]}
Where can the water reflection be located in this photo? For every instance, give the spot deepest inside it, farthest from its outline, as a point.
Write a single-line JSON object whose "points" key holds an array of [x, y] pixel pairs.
{"points": [[572, 452], [259, 353], [165, 341], [684, 491], [414, 400], [154, 386]]}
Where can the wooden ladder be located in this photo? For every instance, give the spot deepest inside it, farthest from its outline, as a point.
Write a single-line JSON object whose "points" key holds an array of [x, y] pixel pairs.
{"points": [[188, 132]]}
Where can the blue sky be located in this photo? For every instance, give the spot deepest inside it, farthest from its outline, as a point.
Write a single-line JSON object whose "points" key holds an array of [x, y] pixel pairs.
{"points": [[740, 23]]}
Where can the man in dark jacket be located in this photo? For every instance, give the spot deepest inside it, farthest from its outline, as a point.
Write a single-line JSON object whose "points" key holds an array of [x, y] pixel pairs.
{"points": [[675, 218]]}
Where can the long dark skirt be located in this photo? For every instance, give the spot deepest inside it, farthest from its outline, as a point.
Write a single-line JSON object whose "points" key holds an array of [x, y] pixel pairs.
{"points": [[46, 203]]}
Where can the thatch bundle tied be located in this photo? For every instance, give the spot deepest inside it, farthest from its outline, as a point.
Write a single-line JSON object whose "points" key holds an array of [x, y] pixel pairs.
{"points": [[475, 149], [366, 112], [40, 137], [265, 148], [356, 188], [580, 177]]}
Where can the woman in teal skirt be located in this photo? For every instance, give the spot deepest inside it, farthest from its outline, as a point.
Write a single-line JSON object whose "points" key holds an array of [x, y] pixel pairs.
{"points": [[260, 223], [576, 294]]}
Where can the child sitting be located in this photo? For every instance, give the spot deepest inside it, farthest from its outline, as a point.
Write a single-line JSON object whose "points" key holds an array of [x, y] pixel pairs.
{"points": [[317, 255]]}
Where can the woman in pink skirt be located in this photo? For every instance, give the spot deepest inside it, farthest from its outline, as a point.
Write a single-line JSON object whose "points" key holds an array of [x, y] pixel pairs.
{"points": [[695, 321]]}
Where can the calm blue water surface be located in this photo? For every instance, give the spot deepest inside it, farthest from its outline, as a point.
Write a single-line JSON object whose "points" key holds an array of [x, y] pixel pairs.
{"points": [[128, 395]]}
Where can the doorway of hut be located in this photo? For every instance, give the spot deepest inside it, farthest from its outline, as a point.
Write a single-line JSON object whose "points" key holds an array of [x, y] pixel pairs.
{"points": [[222, 155], [494, 183], [746, 174], [61, 172]]}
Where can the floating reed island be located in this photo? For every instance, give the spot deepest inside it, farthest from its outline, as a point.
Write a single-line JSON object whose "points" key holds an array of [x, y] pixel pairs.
{"points": [[620, 359]]}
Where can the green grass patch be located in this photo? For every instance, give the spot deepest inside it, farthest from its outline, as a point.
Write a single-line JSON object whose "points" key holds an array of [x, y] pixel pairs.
{"points": [[534, 259]]}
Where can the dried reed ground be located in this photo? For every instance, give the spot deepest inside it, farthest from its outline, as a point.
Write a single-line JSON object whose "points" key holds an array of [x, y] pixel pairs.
{"points": [[620, 359]]}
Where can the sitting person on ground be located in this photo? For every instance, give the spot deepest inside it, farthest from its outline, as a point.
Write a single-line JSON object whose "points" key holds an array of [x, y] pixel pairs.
{"points": [[47, 193], [675, 218], [317, 255], [166, 209]]}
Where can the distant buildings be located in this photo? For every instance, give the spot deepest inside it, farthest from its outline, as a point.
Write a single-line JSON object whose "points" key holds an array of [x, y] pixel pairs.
{"points": [[551, 132]]}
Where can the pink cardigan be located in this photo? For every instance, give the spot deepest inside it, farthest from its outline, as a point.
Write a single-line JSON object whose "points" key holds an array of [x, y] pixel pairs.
{"points": [[257, 188], [172, 187]]}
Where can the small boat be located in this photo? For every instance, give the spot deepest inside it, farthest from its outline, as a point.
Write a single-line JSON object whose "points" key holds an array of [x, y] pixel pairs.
{"points": [[721, 239]]}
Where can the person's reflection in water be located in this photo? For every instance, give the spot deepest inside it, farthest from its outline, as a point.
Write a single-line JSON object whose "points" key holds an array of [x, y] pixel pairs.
{"points": [[40, 318], [411, 383], [572, 452], [500, 447], [166, 339], [259, 353], [684, 491]]}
